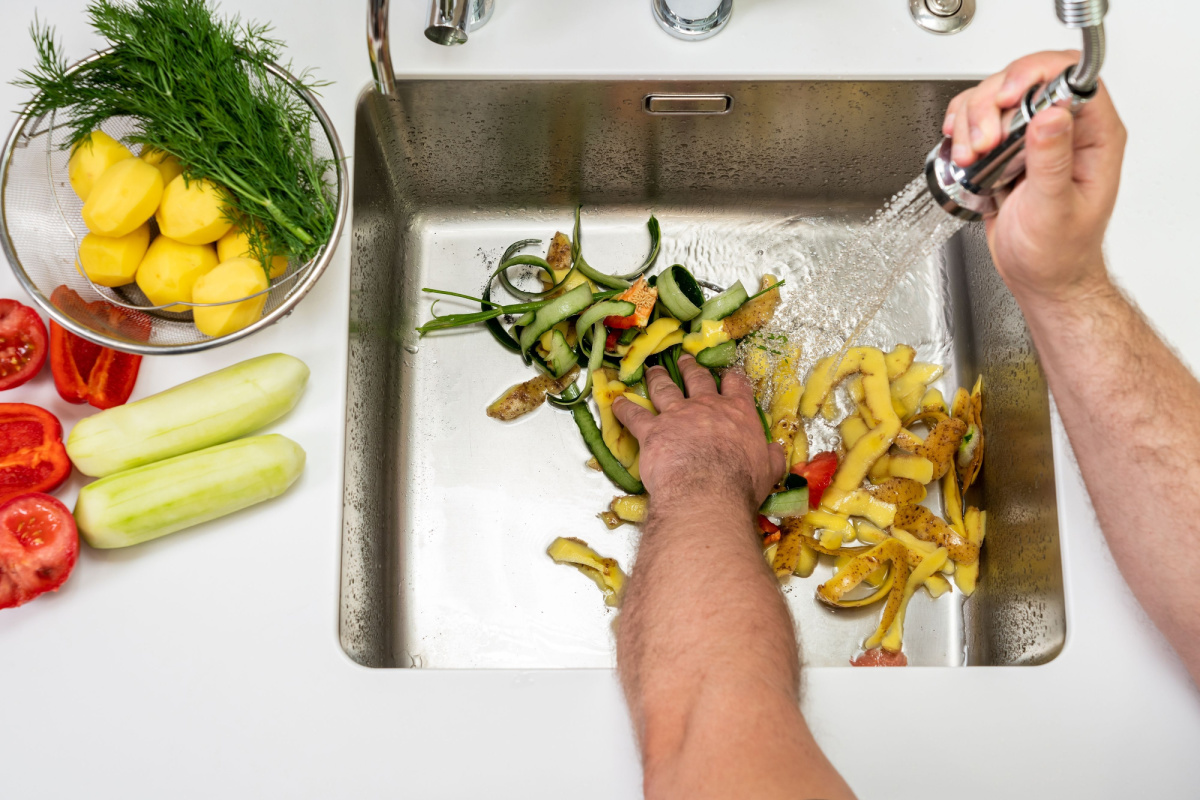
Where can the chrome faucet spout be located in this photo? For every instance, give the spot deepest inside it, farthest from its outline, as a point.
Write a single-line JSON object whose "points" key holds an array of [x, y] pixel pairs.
{"points": [[451, 20], [972, 192]]}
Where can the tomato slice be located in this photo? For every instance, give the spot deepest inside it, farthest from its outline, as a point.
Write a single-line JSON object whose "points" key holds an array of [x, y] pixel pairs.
{"points": [[32, 456], [819, 473], [878, 657], [22, 344], [39, 546]]}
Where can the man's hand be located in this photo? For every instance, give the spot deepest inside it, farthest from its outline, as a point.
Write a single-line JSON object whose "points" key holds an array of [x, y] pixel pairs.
{"points": [[706, 649], [1046, 240], [710, 442]]}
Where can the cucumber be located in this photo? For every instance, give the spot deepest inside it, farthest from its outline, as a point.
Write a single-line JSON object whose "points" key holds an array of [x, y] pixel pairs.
{"points": [[679, 292], [151, 501], [554, 312], [788, 503], [212, 409], [560, 358], [722, 305], [721, 355]]}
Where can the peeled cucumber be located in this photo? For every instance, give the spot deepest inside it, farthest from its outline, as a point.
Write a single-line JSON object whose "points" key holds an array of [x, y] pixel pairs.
{"points": [[151, 501], [209, 410]]}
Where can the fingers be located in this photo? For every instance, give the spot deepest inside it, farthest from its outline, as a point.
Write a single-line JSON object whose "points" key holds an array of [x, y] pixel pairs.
{"points": [[632, 416], [1050, 154], [736, 384], [1027, 71], [696, 379], [778, 459], [974, 118], [664, 394]]}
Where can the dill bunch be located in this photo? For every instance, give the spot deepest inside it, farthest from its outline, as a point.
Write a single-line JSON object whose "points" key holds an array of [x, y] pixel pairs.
{"points": [[198, 88]]}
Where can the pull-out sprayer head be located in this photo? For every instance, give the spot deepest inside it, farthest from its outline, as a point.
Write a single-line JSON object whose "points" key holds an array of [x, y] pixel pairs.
{"points": [[970, 192]]}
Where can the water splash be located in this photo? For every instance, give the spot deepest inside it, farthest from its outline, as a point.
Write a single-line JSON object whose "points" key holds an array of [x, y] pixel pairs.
{"points": [[878, 282]]}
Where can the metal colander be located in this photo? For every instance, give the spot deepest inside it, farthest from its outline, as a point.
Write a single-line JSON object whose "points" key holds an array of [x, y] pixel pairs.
{"points": [[41, 228]]}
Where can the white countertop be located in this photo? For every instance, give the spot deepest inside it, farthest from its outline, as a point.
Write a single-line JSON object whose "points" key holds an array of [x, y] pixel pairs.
{"points": [[207, 664]]}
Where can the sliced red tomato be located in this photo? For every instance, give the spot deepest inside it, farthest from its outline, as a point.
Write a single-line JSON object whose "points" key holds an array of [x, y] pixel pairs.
{"points": [[39, 545], [22, 344], [878, 657], [766, 526], [85, 372], [818, 471], [32, 456], [643, 296]]}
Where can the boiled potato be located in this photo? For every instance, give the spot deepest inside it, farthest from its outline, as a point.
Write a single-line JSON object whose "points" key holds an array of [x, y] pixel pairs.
{"points": [[170, 270], [167, 164], [231, 280], [123, 198], [113, 261], [91, 158], [236, 244], [193, 213]]}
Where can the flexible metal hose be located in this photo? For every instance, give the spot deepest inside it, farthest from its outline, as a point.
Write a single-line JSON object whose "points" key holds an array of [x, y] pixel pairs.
{"points": [[1086, 73]]}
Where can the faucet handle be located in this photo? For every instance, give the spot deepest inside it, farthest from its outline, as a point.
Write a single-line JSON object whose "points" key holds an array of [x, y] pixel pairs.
{"points": [[942, 16]]}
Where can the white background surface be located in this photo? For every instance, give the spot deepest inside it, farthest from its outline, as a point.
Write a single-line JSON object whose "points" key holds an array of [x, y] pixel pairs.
{"points": [[207, 664]]}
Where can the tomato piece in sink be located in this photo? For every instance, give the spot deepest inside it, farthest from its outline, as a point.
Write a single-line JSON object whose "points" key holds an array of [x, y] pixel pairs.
{"points": [[39, 546], [819, 472], [22, 344]]}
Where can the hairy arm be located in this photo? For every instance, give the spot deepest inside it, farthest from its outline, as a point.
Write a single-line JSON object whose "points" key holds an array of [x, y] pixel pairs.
{"points": [[1130, 407], [706, 647]]}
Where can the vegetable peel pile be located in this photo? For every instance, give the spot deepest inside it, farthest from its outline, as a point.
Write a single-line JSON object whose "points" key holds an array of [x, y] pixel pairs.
{"points": [[859, 504]]}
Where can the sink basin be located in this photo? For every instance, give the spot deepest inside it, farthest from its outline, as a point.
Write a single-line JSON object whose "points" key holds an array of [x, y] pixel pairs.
{"points": [[448, 513]]}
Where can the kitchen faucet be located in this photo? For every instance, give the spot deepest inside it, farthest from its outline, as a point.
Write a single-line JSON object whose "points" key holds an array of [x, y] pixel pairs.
{"points": [[449, 23], [970, 192]]}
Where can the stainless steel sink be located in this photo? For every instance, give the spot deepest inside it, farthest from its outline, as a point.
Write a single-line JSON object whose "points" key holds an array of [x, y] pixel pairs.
{"points": [[448, 513]]}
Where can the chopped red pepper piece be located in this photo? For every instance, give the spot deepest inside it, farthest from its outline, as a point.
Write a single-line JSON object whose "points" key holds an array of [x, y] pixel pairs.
{"points": [[32, 456], [766, 526], [610, 343], [819, 473], [643, 296], [85, 372]]}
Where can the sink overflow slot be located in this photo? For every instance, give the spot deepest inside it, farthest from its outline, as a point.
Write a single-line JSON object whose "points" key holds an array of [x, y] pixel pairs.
{"points": [[687, 103]]}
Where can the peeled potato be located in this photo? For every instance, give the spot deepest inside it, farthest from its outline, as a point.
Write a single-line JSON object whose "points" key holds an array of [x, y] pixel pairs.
{"points": [[236, 244], [123, 198], [170, 270], [91, 158], [193, 213], [231, 280], [113, 261], [167, 164]]}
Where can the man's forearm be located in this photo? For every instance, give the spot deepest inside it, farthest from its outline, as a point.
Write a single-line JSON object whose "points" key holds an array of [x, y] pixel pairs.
{"points": [[1132, 411], [708, 658]]}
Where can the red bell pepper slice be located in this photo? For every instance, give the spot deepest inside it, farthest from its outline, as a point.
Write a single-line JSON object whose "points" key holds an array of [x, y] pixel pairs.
{"points": [[32, 456], [85, 372], [818, 471]]}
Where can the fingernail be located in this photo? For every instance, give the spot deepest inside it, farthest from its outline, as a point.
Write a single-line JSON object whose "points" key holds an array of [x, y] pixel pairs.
{"points": [[960, 152], [976, 138], [948, 125], [1057, 126], [1009, 88]]}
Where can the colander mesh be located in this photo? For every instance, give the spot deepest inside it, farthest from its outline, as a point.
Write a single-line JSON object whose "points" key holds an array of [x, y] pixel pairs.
{"points": [[43, 223]]}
